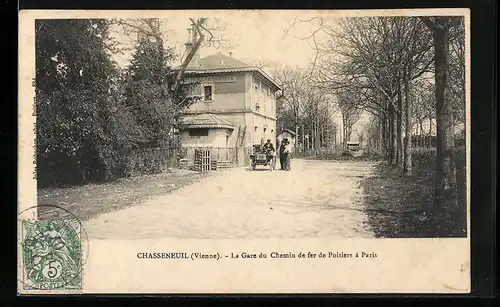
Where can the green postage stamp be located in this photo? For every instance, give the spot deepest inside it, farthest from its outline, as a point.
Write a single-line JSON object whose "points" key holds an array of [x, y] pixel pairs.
{"points": [[51, 255]]}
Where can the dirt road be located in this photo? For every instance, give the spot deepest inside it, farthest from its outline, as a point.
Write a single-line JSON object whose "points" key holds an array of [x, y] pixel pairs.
{"points": [[316, 199]]}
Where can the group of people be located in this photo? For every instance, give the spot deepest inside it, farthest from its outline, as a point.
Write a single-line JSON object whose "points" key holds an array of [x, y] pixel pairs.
{"points": [[285, 152]]}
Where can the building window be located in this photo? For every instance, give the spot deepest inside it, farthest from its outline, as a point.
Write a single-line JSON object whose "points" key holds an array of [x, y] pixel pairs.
{"points": [[198, 132], [208, 93]]}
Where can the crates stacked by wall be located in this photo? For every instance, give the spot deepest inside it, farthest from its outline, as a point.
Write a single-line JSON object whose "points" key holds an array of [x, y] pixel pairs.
{"points": [[202, 160]]}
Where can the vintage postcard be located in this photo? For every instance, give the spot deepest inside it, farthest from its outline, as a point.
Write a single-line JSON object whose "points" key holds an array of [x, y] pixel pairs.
{"points": [[235, 151]]}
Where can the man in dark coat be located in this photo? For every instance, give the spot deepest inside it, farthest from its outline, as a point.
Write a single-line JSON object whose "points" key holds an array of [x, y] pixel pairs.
{"points": [[268, 146], [288, 155], [282, 154], [269, 150]]}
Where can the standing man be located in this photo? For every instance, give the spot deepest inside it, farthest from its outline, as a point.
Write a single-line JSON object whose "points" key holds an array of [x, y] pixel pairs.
{"points": [[282, 153], [279, 141], [269, 150], [288, 155]]}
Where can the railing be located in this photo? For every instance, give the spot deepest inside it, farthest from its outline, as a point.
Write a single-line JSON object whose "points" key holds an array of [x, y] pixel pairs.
{"points": [[161, 157], [216, 153]]}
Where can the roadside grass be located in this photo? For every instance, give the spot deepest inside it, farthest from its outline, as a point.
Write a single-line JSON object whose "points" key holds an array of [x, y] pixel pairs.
{"points": [[91, 200], [398, 207]]}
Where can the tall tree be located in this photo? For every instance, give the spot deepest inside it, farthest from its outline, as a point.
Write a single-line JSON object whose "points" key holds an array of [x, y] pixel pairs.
{"points": [[416, 61], [294, 87], [83, 129], [445, 197], [350, 111], [380, 57], [457, 70], [147, 91]]}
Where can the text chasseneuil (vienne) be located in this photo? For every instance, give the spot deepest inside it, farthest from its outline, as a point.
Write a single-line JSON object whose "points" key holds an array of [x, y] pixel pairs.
{"points": [[261, 255]]}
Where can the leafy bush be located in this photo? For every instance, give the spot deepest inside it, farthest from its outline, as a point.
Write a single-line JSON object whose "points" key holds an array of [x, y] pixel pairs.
{"points": [[84, 132], [91, 116]]}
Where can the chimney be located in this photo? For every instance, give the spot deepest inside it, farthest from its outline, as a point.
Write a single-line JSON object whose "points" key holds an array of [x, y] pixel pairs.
{"points": [[230, 54], [192, 37]]}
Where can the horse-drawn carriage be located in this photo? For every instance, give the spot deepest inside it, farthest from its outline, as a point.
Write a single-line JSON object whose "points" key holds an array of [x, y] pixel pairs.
{"points": [[262, 156]]}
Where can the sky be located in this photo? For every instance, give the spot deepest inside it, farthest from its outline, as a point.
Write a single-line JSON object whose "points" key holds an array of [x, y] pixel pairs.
{"points": [[257, 35], [252, 36]]}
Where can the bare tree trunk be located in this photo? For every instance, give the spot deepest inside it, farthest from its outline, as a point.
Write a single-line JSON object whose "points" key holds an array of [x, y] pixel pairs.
{"points": [[343, 131], [313, 139], [394, 139], [399, 112], [324, 136], [446, 186], [344, 141], [385, 136], [388, 138], [430, 131], [317, 138], [321, 132], [296, 133], [381, 134], [407, 145], [198, 40], [303, 138], [420, 133], [311, 133]]}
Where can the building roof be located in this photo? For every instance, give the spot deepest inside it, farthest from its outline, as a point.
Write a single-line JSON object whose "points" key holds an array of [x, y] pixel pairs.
{"points": [[204, 120], [221, 63], [288, 131]]}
